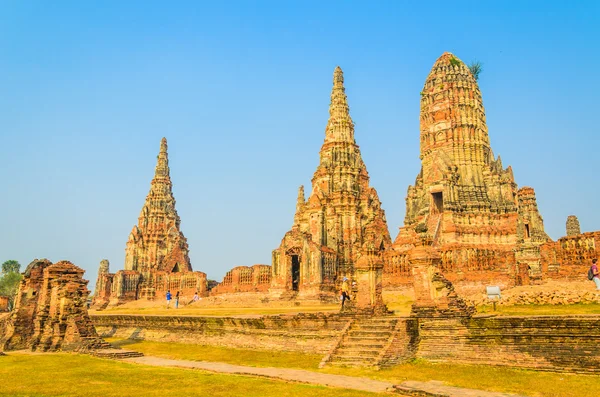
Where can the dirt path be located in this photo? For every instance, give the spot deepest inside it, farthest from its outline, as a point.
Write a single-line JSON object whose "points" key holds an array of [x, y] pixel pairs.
{"points": [[295, 375], [434, 388]]}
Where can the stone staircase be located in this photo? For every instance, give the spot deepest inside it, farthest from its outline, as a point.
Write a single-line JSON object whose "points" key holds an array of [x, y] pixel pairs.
{"points": [[363, 342], [116, 354], [98, 347]]}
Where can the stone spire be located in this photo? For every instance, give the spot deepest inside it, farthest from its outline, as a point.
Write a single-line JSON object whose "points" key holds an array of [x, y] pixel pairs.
{"points": [[156, 243], [162, 164], [341, 214], [299, 204], [340, 126]]}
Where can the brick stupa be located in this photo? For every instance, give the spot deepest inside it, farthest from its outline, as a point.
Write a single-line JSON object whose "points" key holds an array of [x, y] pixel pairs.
{"points": [[485, 229], [341, 218]]}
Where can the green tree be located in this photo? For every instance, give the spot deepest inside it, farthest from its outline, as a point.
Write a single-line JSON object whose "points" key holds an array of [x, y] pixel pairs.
{"points": [[9, 285], [476, 68], [11, 266], [9, 282]]}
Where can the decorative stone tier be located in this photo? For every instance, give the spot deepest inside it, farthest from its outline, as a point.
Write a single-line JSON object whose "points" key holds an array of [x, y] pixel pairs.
{"points": [[310, 333], [245, 279]]}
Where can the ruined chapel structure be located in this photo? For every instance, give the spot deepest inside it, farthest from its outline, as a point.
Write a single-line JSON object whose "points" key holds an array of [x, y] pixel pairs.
{"points": [[341, 220], [156, 255], [484, 228], [50, 311]]}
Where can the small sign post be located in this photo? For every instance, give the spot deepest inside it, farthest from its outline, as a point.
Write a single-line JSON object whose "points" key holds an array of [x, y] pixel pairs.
{"points": [[493, 294]]}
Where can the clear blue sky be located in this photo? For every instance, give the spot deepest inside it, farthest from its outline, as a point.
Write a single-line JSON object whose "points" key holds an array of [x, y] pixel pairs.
{"points": [[241, 91]]}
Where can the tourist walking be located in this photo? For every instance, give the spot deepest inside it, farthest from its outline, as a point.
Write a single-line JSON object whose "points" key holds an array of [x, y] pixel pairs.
{"points": [[177, 300], [196, 297], [596, 273], [345, 292], [168, 298]]}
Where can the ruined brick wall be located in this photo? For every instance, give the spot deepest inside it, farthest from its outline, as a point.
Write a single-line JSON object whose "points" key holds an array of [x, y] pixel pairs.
{"points": [[557, 343], [50, 311], [462, 266], [124, 286], [570, 257], [186, 283], [310, 333], [245, 279]]}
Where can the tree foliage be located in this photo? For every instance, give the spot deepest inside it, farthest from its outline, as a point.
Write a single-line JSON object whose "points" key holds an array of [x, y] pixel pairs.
{"points": [[11, 266], [9, 281], [9, 285], [476, 68]]}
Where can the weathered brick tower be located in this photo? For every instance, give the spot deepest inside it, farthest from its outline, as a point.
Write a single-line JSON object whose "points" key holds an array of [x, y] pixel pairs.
{"points": [[157, 243], [463, 196], [341, 219], [156, 255]]}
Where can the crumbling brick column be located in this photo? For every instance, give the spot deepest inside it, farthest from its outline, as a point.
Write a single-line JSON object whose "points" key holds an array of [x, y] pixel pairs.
{"points": [[434, 294]]}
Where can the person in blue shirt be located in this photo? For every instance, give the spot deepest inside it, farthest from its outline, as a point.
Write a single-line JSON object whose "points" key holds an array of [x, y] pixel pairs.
{"points": [[168, 298]]}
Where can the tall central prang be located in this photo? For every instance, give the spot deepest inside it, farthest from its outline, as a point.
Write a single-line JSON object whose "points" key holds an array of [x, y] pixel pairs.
{"points": [[341, 220], [483, 226]]}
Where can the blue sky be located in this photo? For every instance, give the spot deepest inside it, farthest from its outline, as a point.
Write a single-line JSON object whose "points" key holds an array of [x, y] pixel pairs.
{"points": [[241, 91]]}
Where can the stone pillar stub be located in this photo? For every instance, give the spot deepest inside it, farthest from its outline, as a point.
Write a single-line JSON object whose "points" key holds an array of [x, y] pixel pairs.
{"points": [[369, 276], [434, 294]]}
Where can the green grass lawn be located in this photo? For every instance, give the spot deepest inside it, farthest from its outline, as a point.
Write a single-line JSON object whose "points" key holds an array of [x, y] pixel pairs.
{"points": [[254, 358], [80, 375], [527, 382]]}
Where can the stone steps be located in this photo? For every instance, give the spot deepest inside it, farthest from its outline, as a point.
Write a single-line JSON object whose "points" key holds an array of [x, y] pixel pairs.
{"points": [[364, 342], [117, 354]]}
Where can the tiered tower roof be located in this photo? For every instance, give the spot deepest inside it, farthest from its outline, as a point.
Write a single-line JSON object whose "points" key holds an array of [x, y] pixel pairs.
{"points": [[157, 243]]}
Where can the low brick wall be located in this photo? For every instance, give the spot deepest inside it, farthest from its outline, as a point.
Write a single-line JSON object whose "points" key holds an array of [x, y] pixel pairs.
{"points": [[309, 333], [556, 343]]}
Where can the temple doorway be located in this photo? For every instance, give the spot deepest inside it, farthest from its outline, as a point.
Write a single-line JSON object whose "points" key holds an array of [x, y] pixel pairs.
{"points": [[295, 272], [438, 202]]}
